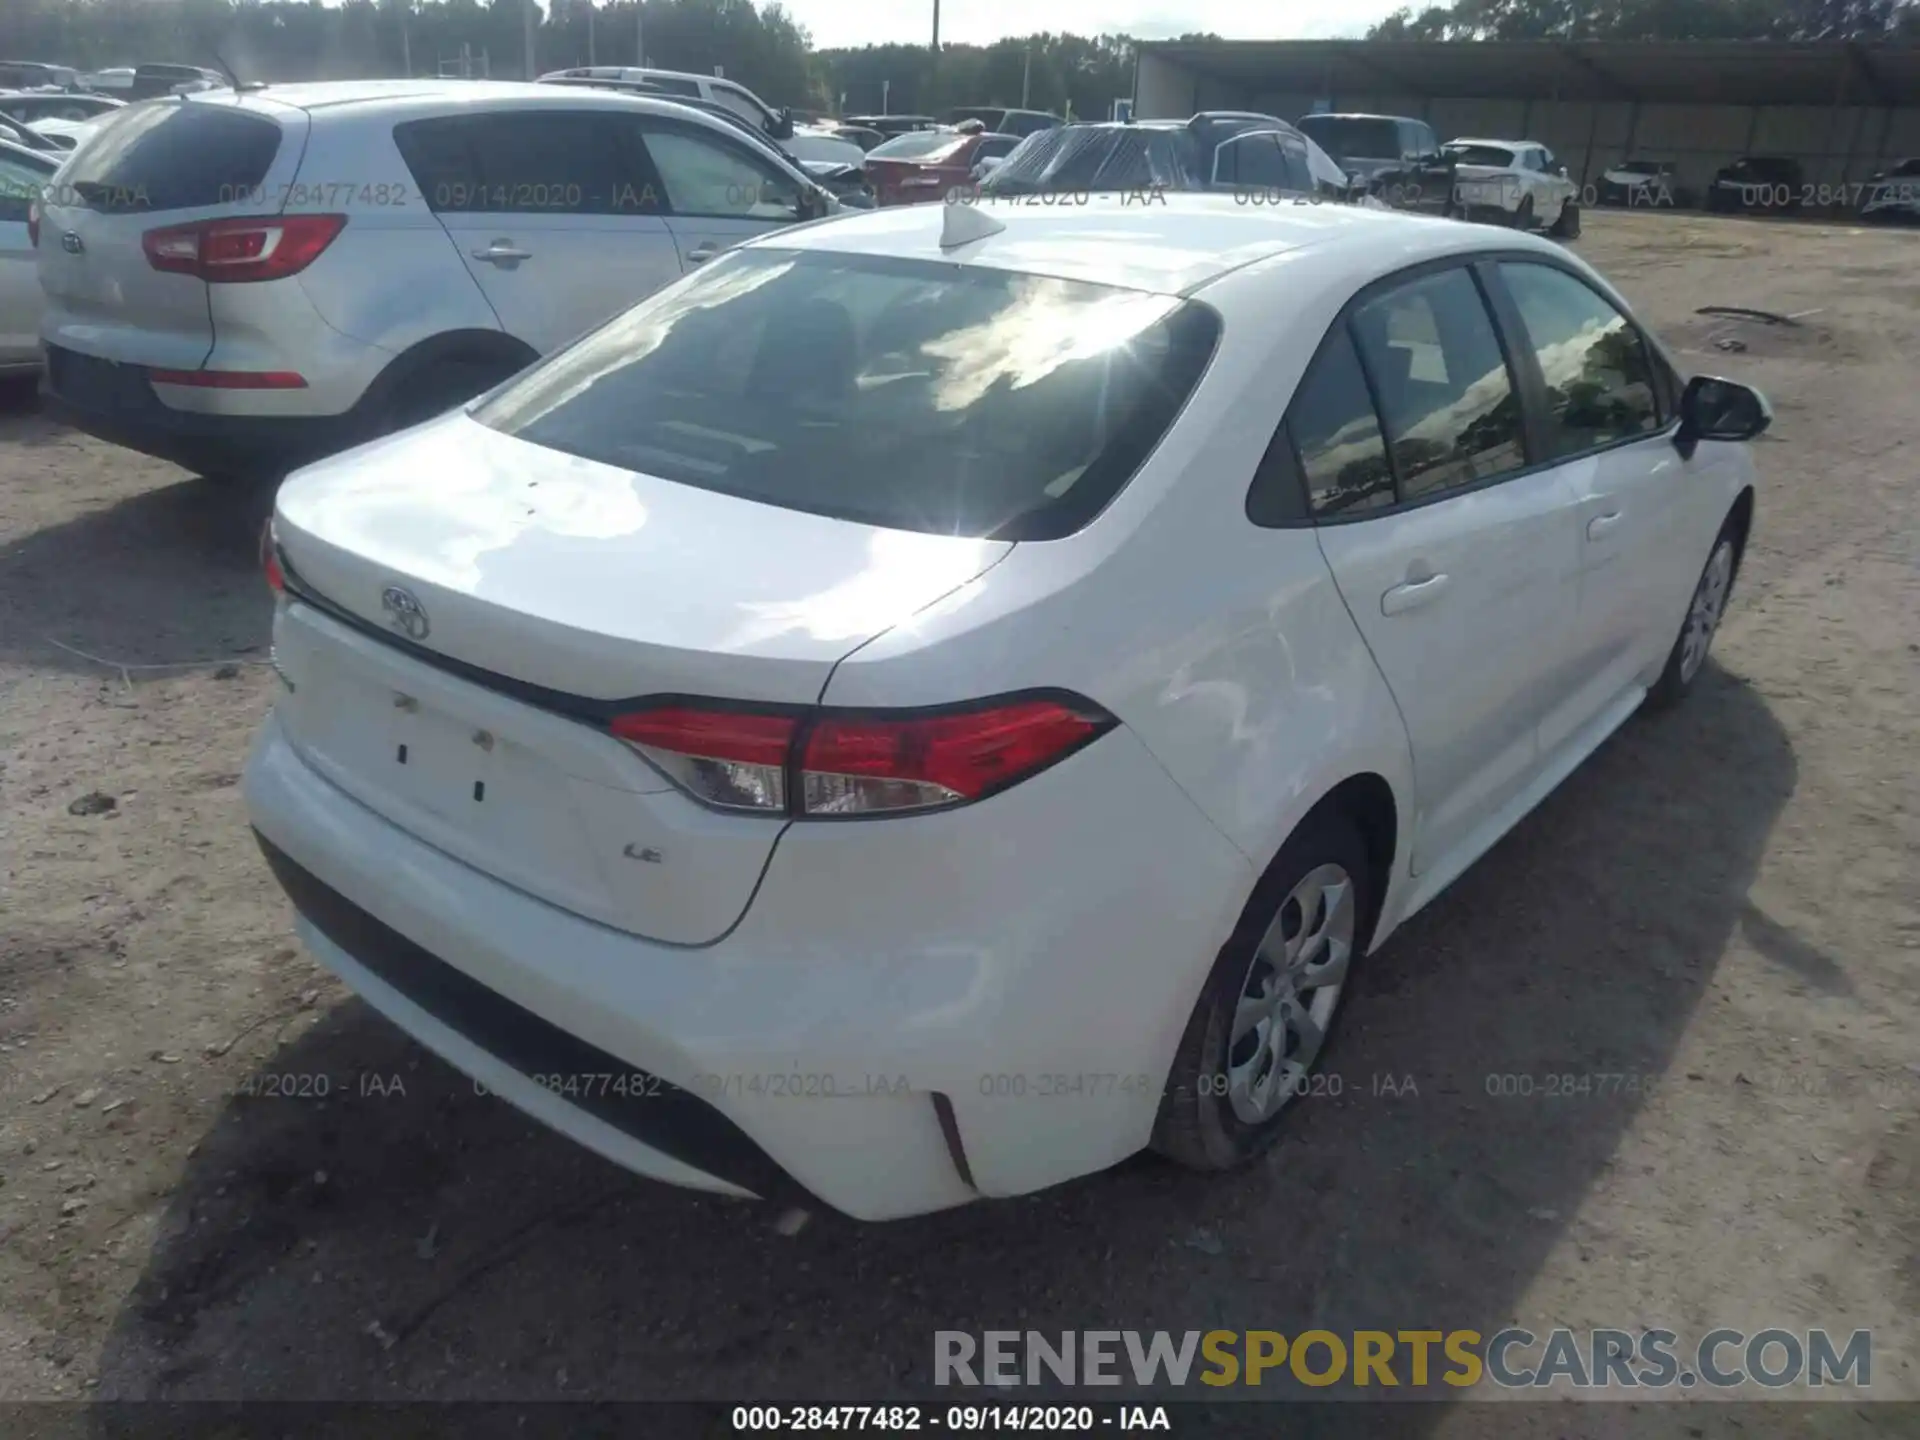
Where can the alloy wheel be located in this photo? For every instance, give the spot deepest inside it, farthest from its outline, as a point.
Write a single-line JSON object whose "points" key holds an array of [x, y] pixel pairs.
{"points": [[1288, 996], [1703, 615]]}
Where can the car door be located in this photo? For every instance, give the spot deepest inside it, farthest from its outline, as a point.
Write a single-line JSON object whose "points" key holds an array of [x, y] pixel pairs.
{"points": [[718, 192], [558, 225], [21, 184], [1455, 559], [1253, 165], [1607, 420]]}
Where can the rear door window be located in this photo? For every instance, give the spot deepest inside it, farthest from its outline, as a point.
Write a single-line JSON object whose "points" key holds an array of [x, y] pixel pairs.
{"points": [[906, 393], [1452, 415], [521, 162], [172, 155]]}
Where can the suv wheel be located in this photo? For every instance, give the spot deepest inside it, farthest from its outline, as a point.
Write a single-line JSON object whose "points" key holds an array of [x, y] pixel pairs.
{"points": [[436, 390], [1269, 1004]]}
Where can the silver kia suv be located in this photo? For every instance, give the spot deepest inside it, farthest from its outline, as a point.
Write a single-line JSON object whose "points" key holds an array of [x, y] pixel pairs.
{"points": [[243, 281]]}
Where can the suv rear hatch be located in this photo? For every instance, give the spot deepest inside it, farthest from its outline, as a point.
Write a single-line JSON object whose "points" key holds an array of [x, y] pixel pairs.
{"points": [[163, 163]]}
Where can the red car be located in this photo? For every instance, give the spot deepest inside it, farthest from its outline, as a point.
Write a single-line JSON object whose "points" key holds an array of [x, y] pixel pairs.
{"points": [[926, 164]]}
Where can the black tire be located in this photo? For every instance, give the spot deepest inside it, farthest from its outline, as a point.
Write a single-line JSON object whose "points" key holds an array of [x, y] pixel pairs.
{"points": [[1567, 226], [1523, 216], [1198, 1126], [1678, 677]]}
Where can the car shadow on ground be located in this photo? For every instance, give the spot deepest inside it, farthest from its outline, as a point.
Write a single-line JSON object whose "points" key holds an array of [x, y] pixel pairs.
{"points": [[167, 577], [409, 1238]]}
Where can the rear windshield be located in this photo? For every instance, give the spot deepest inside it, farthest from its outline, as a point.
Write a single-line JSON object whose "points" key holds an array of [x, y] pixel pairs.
{"points": [[1496, 155], [919, 145], [911, 394], [172, 155], [1346, 137], [1097, 157]]}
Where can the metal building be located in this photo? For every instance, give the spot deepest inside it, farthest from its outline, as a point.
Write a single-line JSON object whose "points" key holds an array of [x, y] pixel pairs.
{"points": [[1843, 109]]}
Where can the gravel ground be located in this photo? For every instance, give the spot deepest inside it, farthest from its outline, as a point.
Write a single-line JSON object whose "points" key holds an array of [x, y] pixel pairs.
{"points": [[1721, 905]]}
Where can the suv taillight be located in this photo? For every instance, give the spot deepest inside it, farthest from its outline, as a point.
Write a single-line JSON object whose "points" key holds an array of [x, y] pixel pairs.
{"points": [[229, 251], [270, 559], [844, 763]]}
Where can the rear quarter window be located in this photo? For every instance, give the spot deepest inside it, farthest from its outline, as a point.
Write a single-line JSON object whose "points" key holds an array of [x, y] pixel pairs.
{"points": [[172, 155]]}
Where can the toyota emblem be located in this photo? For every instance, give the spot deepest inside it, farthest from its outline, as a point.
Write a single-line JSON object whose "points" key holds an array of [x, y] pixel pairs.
{"points": [[405, 613]]}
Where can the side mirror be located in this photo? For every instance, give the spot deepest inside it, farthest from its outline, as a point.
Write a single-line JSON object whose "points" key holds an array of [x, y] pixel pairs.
{"points": [[782, 124], [1716, 409], [1561, 171]]}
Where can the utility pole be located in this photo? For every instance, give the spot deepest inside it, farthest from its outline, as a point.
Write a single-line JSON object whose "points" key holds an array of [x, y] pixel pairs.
{"points": [[936, 27], [530, 27], [1026, 78], [590, 55], [639, 36], [886, 90]]}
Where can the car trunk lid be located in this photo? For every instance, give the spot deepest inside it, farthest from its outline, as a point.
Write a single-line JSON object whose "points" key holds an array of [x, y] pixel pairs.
{"points": [[545, 594]]}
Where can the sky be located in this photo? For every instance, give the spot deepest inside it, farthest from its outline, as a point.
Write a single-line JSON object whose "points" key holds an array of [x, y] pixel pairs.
{"points": [[836, 23]]}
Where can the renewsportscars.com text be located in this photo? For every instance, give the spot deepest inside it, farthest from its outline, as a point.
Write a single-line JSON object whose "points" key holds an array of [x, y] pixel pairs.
{"points": [[1514, 1358]]}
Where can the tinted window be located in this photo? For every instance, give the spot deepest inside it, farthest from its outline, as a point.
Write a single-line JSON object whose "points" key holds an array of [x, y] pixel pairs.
{"points": [[1337, 435], [668, 86], [1496, 155], [1256, 162], [1098, 157], [705, 175], [527, 162], [995, 147], [1600, 385], [174, 156], [1451, 414], [1348, 137], [917, 145], [912, 394]]}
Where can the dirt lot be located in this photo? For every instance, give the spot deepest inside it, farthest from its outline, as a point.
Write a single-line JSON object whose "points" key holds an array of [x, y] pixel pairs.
{"points": [[1725, 902]]}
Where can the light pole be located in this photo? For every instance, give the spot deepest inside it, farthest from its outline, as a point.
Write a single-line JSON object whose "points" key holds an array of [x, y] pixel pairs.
{"points": [[639, 35]]}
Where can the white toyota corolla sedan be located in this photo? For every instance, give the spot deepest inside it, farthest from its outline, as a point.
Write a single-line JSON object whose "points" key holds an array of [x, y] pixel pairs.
{"points": [[937, 701]]}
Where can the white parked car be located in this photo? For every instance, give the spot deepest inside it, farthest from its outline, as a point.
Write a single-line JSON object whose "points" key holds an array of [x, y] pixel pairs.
{"points": [[939, 701], [1514, 182], [242, 281], [24, 175], [67, 134]]}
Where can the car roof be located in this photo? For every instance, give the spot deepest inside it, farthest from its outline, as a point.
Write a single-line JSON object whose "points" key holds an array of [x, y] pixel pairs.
{"points": [[1174, 245], [1498, 144], [435, 95], [1359, 115]]}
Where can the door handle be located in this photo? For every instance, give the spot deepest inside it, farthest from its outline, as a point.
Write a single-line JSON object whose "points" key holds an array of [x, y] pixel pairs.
{"points": [[1413, 594], [1602, 526], [702, 253], [503, 252]]}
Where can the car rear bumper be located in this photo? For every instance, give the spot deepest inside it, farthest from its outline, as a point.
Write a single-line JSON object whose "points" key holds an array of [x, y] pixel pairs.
{"points": [[892, 1028], [117, 403]]}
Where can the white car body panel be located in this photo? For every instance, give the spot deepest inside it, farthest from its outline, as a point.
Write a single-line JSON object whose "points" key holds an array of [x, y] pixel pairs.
{"points": [[1505, 187], [1061, 926]]}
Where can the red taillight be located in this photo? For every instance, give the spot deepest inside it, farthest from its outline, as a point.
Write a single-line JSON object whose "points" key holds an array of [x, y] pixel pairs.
{"points": [[875, 763], [230, 379], [33, 225], [871, 763], [270, 559], [735, 759], [230, 251]]}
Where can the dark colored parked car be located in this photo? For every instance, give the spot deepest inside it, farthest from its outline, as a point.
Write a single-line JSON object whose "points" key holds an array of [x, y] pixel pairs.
{"points": [[37, 75], [1399, 158], [1759, 184], [927, 164], [1252, 155], [999, 120], [1892, 194]]}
